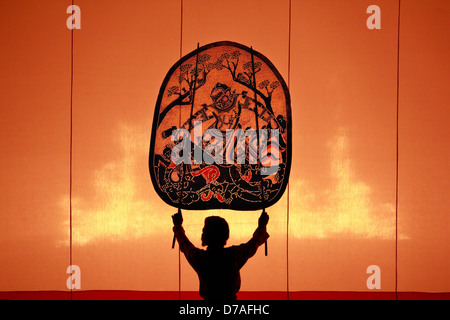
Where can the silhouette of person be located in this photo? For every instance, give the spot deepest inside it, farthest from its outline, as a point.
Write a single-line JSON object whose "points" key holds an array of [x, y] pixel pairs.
{"points": [[218, 267]]}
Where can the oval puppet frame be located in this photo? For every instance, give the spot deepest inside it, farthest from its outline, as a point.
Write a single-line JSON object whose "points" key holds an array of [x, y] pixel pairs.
{"points": [[221, 134]]}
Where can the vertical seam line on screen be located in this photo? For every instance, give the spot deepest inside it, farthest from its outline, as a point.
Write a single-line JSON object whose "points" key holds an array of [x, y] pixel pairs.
{"points": [[181, 28], [70, 152], [397, 153], [287, 207], [179, 125]]}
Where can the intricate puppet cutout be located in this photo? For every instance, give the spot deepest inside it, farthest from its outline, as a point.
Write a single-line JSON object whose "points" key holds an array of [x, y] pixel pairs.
{"points": [[205, 149]]}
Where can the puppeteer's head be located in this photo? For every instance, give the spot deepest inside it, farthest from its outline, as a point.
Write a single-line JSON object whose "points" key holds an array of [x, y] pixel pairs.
{"points": [[215, 232], [223, 98]]}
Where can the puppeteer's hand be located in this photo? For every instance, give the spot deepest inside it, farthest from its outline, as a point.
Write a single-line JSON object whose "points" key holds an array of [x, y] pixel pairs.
{"points": [[263, 220], [177, 219]]}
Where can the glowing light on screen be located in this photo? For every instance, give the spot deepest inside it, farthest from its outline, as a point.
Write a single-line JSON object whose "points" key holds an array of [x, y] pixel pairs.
{"points": [[345, 209], [117, 212]]}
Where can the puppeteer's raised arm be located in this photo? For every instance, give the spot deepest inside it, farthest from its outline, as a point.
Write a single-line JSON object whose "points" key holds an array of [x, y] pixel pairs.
{"points": [[260, 235], [263, 220], [185, 245], [177, 218]]}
